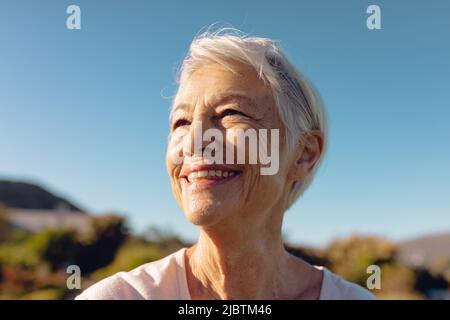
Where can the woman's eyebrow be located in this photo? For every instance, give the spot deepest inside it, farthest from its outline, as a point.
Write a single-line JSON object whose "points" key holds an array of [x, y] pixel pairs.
{"points": [[230, 97], [217, 101], [178, 107], [181, 106]]}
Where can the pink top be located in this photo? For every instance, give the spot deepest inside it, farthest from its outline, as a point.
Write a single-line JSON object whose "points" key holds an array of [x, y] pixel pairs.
{"points": [[165, 279]]}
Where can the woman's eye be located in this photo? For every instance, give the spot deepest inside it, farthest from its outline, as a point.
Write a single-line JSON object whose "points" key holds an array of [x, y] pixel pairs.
{"points": [[231, 112], [180, 123]]}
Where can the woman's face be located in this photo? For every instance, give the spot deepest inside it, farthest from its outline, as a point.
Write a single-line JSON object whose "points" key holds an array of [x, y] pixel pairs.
{"points": [[217, 98]]}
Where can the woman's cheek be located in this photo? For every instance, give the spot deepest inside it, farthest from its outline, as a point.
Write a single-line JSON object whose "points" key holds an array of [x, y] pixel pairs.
{"points": [[175, 147]]}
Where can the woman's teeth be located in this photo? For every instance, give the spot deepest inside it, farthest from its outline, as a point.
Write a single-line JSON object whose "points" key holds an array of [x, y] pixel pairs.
{"points": [[205, 174]]}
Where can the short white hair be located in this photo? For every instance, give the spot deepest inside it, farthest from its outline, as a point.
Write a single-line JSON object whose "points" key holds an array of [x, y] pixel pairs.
{"points": [[300, 106]]}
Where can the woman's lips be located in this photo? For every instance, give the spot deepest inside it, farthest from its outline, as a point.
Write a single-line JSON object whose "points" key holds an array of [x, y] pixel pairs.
{"points": [[209, 178]]}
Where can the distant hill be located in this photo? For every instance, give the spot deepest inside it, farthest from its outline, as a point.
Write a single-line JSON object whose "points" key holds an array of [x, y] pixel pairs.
{"points": [[22, 195], [425, 250]]}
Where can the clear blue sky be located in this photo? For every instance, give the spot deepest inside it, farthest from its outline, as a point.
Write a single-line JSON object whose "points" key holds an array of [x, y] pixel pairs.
{"points": [[84, 112]]}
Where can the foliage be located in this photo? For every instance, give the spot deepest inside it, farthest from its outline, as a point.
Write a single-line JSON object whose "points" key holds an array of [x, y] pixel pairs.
{"points": [[18, 254], [37, 262], [61, 247], [165, 240], [99, 245], [441, 267], [132, 254], [33, 266], [350, 257], [56, 247], [44, 294], [5, 226], [396, 280]]}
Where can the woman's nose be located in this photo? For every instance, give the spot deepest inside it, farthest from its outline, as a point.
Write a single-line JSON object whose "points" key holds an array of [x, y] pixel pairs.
{"points": [[195, 144]]}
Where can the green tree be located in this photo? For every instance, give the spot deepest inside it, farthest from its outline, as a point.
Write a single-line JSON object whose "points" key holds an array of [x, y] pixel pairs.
{"points": [[56, 247], [98, 247]]}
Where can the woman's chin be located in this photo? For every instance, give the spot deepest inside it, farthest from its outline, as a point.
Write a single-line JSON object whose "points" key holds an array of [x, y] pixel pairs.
{"points": [[208, 214], [205, 204]]}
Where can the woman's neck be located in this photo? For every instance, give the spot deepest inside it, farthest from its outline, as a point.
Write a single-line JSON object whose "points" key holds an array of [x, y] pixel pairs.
{"points": [[247, 265]]}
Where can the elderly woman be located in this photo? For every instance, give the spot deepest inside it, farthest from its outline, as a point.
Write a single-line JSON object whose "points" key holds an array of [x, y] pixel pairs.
{"points": [[230, 82]]}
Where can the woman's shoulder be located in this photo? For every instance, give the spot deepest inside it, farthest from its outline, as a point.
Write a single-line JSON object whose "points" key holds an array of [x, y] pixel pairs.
{"points": [[335, 287], [161, 279]]}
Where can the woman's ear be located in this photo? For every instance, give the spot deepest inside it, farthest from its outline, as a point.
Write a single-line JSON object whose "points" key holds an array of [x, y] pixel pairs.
{"points": [[307, 155]]}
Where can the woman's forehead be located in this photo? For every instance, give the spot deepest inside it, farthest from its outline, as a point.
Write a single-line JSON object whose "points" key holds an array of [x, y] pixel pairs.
{"points": [[217, 78], [214, 84]]}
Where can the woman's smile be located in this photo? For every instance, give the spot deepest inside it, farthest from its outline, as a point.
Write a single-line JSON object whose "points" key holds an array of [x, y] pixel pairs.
{"points": [[207, 176]]}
